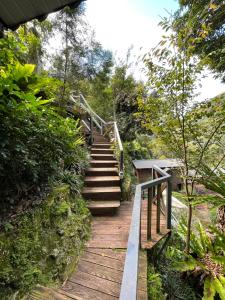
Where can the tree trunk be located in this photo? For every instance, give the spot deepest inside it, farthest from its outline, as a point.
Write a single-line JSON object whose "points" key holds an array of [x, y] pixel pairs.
{"points": [[221, 218], [188, 237]]}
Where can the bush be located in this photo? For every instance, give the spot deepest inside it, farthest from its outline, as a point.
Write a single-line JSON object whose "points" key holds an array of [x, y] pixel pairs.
{"points": [[36, 143], [172, 282]]}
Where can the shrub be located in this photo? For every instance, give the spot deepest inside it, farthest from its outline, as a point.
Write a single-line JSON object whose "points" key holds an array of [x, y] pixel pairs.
{"points": [[206, 262], [36, 143]]}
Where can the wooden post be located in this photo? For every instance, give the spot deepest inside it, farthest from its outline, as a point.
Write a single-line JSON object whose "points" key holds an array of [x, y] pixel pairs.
{"points": [[149, 214], [158, 208]]}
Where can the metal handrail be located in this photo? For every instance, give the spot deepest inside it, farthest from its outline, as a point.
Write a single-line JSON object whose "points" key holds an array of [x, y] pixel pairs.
{"points": [[91, 110], [129, 285], [101, 124], [118, 141]]}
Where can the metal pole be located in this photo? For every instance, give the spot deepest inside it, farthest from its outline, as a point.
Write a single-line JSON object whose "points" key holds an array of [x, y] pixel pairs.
{"points": [[149, 214], [101, 128], [169, 203], [91, 128], [158, 208]]}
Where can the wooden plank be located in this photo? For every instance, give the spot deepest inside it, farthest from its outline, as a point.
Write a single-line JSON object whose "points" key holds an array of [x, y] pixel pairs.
{"points": [[86, 293], [107, 244], [107, 262], [108, 237], [100, 271], [45, 293], [96, 283], [111, 253]]}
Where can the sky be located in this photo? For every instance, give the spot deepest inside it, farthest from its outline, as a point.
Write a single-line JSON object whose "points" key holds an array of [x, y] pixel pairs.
{"points": [[120, 24]]}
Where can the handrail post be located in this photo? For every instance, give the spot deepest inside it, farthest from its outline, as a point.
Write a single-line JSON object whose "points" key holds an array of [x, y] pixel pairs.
{"points": [[158, 197], [169, 203], [91, 129], [121, 163], [153, 177], [101, 128], [149, 216]]}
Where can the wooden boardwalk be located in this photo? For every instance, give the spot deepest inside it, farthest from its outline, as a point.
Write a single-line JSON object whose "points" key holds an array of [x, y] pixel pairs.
{"points": [[99, 272], [100, 269]]}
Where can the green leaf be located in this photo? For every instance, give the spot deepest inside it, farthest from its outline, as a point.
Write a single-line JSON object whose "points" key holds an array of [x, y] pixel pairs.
{"points": [[219, 288], [209, 290]]}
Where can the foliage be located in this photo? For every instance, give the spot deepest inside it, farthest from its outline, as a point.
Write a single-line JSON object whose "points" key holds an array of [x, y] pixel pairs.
{"points": [[155, 291], [43, 244], [25, 45], [174, 285], [204, 21], [81, 62], [36, 142], [205, 261], [140, 147], [125, 91], [190, 130], [214, 180], [136, 149], [99, 88]]}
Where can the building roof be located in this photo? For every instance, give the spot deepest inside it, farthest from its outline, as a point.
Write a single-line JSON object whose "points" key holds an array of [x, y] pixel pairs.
{"points": [[16, 12], [162, 163]]}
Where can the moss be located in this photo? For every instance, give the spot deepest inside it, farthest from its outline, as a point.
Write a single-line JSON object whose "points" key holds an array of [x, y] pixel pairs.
{"points": [[155, 290], [43, 245]]}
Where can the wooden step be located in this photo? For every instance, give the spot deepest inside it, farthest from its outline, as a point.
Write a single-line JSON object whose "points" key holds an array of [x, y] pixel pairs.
{"points": [[102, 193], [99, 139], [45, 293], [103, 163], [102, 181], [101, 151], [103, 207], [102, 172], [102, 156], [102, 145]]}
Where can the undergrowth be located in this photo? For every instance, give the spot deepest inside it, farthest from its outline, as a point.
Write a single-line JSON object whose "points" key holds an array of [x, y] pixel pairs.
{"points": [[43, 245], [163, 281]]}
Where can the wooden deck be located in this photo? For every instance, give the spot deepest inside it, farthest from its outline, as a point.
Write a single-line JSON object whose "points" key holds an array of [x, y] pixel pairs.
{"points": [[99, 272]]}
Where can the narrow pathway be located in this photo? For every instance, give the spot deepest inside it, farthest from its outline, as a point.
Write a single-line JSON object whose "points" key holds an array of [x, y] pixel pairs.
{"points": [[99, 272]]}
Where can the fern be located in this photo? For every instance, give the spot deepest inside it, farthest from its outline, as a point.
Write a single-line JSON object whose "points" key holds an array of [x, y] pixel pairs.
{"points": [[207, 259], [209, 290]]}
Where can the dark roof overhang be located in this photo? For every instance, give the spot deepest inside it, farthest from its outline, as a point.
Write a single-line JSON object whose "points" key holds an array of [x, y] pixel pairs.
{"points": [[16, 12]]}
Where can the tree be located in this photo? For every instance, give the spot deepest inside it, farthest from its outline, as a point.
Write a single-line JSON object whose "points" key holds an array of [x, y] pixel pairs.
{"points": [[81, 58], [171, 113], [100, 92], [205, 20]]}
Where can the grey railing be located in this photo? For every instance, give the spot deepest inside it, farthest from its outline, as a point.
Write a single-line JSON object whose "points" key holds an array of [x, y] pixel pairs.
{"points": [[153, 187], [102, 126], [120, 148]]}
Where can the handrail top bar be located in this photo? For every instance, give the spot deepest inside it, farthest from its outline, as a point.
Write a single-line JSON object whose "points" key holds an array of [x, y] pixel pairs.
{"points": [[118, 137], [130, 273], [91, 110], [153, 182], [88, 108], [160, 171]]}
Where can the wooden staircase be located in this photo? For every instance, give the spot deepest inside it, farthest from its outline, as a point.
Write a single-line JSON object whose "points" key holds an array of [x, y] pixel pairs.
{"points": [[102, 182]]}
